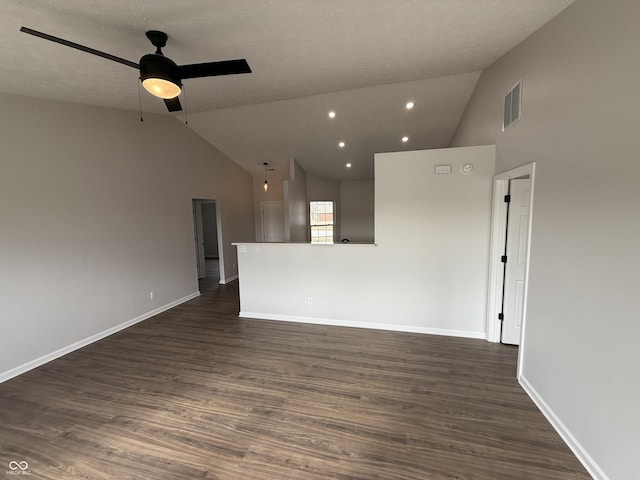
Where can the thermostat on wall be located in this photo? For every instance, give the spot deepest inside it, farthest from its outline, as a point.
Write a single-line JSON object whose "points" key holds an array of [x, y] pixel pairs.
{"points": [[442, 169], [466, 168]]}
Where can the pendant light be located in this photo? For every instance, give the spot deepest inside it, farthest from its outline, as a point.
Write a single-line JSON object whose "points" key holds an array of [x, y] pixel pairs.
{"points": [[266, 184]]}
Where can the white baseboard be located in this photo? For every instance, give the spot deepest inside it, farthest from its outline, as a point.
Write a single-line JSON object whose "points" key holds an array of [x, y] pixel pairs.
{"points": [[224, 281], [25, 367], [370, 325], [578, 450]]}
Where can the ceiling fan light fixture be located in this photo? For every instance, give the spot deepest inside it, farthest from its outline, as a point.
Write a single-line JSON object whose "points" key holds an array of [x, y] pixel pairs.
{"points": [[159, 76], [161, 88]]}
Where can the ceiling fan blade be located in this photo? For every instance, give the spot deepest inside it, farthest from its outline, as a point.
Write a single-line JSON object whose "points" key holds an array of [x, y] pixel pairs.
{"points": [[77, 46], [173, 104], [213, 69]]}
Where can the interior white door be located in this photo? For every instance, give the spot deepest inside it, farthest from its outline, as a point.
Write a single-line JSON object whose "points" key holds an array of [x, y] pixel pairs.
{"points": [[516, 252], [273, 222]]}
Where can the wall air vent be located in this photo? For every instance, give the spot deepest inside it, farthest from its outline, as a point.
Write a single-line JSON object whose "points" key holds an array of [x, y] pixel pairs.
{"points": [[512, 104]]}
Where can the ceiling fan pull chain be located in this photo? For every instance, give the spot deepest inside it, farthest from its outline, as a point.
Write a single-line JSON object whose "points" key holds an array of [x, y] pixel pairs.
{"points": [[140, 102]]}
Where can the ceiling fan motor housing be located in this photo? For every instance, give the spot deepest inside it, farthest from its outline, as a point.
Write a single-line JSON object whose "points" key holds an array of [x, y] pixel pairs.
{"points": [[157, 66]]}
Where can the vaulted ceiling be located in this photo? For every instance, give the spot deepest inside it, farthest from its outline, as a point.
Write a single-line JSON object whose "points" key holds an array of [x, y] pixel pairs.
{"points": [[362, 59]]}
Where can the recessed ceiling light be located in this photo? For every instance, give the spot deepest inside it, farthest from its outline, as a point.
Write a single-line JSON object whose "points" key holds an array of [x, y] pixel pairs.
{"points": [[332, 114], [410, 105], [341, 144], [405, 139], [348, 165]]}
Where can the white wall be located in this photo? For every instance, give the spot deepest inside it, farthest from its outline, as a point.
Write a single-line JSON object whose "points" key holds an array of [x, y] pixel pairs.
{"points": [[95, 212], [579, 124], [436, 229], [428, 272], [357, 211]]}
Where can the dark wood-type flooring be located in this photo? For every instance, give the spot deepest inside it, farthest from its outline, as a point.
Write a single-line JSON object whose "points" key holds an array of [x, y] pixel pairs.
{"points": [[198, 393]]}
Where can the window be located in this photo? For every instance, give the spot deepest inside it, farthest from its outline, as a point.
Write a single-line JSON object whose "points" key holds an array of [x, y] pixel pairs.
{"points": [[321, 219]]}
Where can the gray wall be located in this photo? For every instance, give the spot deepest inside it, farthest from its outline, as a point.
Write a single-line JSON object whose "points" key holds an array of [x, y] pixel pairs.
{"points": [[356, 211], [96, 212], [296, 215], [579, 124], [210, 230]]}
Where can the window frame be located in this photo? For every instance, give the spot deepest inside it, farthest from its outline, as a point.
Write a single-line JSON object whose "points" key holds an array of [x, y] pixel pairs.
{"points": [[319, 226]]}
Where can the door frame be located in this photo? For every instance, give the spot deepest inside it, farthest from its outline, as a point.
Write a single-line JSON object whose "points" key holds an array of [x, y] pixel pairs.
{"points": [[199, 238], [498, 240], [220, 240]]}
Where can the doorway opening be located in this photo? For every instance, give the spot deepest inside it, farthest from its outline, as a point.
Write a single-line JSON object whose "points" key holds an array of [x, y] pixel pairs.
{"points": [[207, 242], [509, 256]]}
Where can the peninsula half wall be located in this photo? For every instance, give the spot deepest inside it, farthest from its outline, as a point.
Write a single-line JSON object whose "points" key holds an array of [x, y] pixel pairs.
{"points": [[427, 271]]}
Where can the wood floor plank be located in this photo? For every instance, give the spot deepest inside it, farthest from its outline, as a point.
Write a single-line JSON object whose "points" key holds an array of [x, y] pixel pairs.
{"points": [[196, 392]]}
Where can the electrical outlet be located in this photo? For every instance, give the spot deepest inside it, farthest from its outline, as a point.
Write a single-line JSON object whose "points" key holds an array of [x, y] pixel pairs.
{"points": [[310, 301], [152, 294]]}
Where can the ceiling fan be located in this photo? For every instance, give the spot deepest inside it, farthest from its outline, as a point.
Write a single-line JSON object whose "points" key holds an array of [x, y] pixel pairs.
{"points": [[160, 75]]}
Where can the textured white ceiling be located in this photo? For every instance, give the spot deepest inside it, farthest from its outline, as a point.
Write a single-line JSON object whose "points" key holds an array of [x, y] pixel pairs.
{"points": [[296, 48]]}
